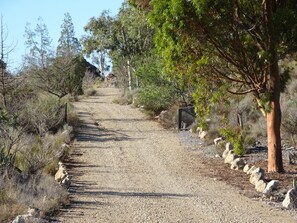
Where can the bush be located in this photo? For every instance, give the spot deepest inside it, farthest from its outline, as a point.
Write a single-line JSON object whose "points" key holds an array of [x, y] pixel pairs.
{"points": [[156, 98], [42, 114], [42, 153], [235, 136], [39, 190], [126, 97], [72, 117]]}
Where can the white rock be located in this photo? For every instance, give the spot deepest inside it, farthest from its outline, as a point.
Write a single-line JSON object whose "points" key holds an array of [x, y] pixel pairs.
{"points": [[65, 146], [217, 156], [237, 164], [250, 171], [246, 168], [202, 134], [217, 140], [272, 185], [61, 174], [255, 177], [230, 157], [290, 200], [260, 186], [225, 153]]}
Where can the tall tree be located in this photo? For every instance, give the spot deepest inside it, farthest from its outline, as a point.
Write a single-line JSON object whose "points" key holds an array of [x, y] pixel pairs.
{"points": [[125, 37], [68, 62], [69, 45], [98, 40], [236, 44]]}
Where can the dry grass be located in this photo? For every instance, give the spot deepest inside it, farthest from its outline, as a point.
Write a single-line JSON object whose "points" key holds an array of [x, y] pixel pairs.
{"points": [[19, 192]]}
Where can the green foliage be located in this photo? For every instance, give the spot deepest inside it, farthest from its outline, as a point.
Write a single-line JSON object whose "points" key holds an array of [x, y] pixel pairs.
{"points": [[69, 45], [125, 38], [156, 98], [8, 119], [235, 136], [6, 159]]}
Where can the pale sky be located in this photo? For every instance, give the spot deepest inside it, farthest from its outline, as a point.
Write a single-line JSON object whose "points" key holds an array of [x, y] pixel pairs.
{"points": [[16, 14]]}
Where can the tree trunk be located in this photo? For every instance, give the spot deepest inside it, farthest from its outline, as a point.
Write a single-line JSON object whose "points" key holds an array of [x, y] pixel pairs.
{"points": [[275, 163], [129, 75]]}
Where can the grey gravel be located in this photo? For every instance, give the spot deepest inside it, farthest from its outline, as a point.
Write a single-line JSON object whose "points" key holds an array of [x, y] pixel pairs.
{"points": [[129, 169]]}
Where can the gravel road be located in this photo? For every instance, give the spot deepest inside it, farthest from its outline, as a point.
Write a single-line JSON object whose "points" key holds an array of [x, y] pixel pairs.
{"points": [[129, 169]]}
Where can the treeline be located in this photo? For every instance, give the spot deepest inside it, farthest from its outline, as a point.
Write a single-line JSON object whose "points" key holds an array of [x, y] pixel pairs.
{"points": [[210, 54]]}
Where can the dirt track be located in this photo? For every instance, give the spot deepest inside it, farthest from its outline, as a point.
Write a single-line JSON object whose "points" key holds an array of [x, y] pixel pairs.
{"points": [[129, 169]]}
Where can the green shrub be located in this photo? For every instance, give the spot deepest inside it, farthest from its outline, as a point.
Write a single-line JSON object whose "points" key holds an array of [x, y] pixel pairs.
{"points": [[155, 98], [235, 136]]}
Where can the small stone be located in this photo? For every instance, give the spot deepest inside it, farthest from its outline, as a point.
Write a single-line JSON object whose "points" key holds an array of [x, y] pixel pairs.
{"points": [[290, 200], [255, 177], [246, 168], [230, 157], [272, 185], [237, 164], [260, 186], [202, 134], [217, 156], [217, 140], [250, 171], [61, 174]]}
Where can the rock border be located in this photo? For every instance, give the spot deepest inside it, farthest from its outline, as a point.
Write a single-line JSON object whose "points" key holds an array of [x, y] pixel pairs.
{"points": [[257, 177]]}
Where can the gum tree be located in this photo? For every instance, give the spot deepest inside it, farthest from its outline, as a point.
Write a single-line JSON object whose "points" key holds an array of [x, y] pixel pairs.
{"points": [[234, 44]]}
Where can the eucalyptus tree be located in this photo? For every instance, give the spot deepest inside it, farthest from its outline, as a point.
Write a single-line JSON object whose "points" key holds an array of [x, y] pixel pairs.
{"points": [[125, 38], [234, 45]]}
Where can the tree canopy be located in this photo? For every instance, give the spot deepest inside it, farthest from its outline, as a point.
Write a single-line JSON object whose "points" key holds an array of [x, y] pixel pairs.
{"points": [[234, 44]]}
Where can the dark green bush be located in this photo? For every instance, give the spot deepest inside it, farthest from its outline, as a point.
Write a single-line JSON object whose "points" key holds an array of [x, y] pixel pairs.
{"points": [[155, 98]]}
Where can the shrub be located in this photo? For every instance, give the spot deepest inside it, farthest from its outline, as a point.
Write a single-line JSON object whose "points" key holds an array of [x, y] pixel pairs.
{"points": [[156, 98], [42, 114], [38, 190], [126, 97], [40, 153], [72, 117], [235, 136]]}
